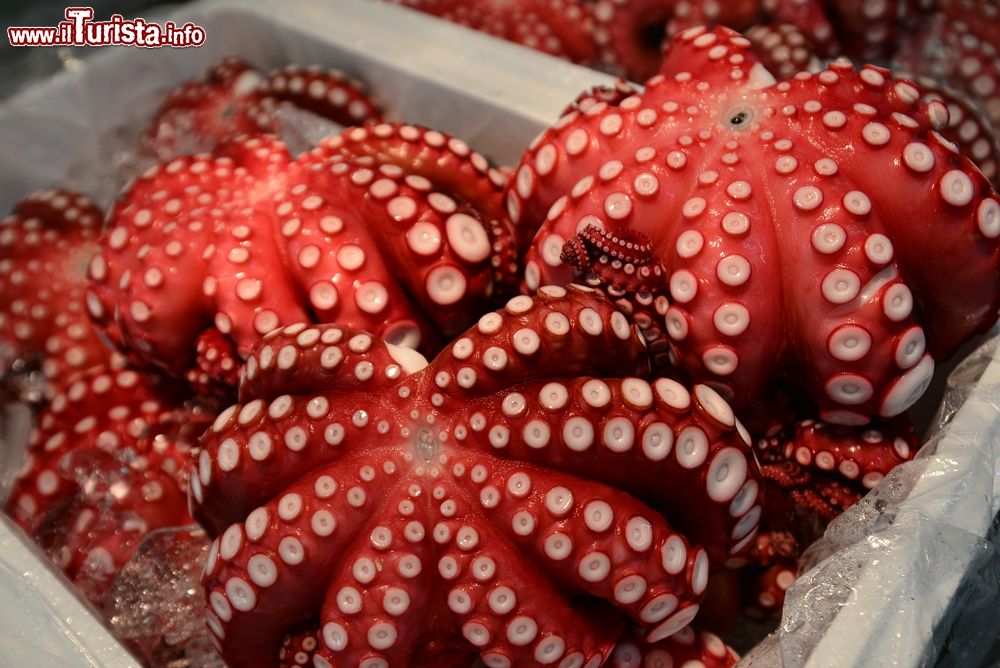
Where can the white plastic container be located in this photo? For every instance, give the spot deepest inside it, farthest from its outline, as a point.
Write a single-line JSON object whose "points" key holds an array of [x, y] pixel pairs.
{"points": [[497, 97]]}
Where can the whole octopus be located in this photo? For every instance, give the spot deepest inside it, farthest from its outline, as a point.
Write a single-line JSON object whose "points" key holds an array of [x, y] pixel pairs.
{"points": [[399, 505], [757, 229], [545, 490]]}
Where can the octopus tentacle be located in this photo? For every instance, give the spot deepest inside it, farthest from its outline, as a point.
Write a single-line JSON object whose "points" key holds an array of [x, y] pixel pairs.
{"points": [[767, 589], [134, 226], [233, 98], [440, 251], [634, 279], [390, 569], [858, 455], [942, 185], [652, 440], [812, 473], [446, 161], [812, 19], [109, 413], [559, 332], [686, 648], [612, 95], [784, 50], [969, 128], [326, 229], [630, 35], [263, 449], [871, 32], [584, 531], [275, 564], [299, 648], [329, 94], [216, 359], [301, 358], [452, 177], [45, 245], [199, 114], [504, 617], [105, 466], [549, 26]]}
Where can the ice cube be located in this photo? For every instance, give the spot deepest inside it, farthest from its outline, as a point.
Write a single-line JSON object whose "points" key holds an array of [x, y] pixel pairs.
{"points": [[155, 605], [300, 129]]}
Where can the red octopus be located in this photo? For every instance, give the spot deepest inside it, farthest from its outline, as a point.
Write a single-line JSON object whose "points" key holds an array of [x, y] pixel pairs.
{"points": [[627, 38], [783, 49], [233, 97], [45, 245], [557, 27], [955, 56], [392, 228], [812, 473], [631, 34], [687, 648], [492, 502], [105, 466], [958, 47], [817, 229]]}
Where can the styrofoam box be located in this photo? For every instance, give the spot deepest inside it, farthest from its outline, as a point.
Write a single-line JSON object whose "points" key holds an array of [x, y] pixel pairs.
{"points": [[497, 97]]}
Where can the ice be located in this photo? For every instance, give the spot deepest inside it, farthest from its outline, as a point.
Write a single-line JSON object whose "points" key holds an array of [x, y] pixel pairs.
{"points": [[302, 130], [156, 602], [113, 157]]}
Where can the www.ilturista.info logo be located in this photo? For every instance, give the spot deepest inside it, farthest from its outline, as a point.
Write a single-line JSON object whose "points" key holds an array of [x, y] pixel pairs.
{"points": [[79, 29]]}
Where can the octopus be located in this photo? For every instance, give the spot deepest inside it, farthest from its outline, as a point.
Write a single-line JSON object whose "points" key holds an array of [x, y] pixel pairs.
{"points": [[45, 245], [232, 97], [818, 230], [105, 466], [392, 228], [500, 501]]}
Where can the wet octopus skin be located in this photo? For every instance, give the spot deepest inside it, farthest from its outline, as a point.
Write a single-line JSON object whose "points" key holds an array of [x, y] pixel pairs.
{"points": [[874, 30], [957, 46], [765, 589], [686, 649], [233, 97], [392, 228], [557, 27], [777, 210], [783, 49], [44, 247], [465, 480], [105, 465], [955, 56], [622, 29], [969, 128], [812, 473]]}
